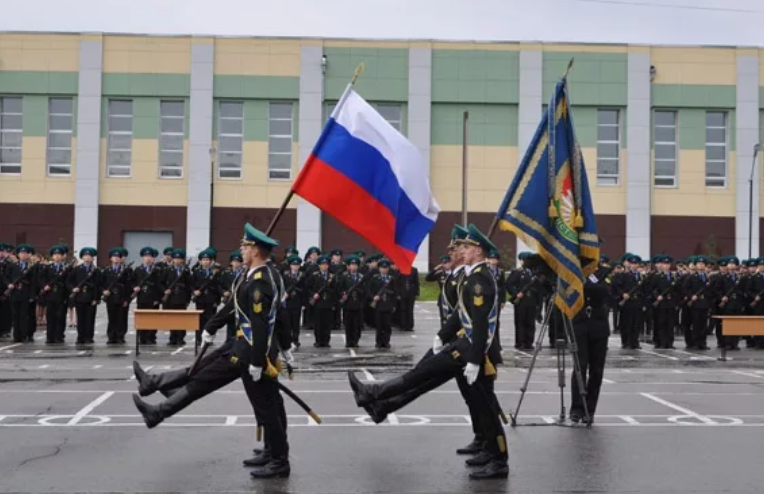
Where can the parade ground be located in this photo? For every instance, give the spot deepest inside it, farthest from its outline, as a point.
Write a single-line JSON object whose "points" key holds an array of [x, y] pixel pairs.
{"points": [[668, 421]]}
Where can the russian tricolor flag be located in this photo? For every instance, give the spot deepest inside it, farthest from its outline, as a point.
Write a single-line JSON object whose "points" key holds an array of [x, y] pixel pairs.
{"points": [[371, 178]]}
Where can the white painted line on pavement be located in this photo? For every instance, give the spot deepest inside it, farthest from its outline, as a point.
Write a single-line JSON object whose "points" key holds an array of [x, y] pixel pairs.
{"points": [[44, 366], [678, 408], [695, 356], [659, 355], [369, 376], [89, 408], [231, 420], [98, 366], [10, 346], [128, 352], [176, 352], [608, 381], [522, 352], [748, 374], [629, 420], [393, 419], [37, 352], [82, 352], [352, 352]]}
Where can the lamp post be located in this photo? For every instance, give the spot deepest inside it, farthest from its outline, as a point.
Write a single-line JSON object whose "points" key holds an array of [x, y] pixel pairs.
{"points": [[756, 148]]}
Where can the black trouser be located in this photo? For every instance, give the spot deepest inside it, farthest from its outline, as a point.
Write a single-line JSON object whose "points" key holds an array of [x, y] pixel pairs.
{"points": [[177, 337], [525, 323], [86, 315], [556, 328], [6, 317], [369, 315], [309, 316], [353, 325], [147, 336], [631, 324], [293, 316], [56, 316], [337, 317], [664, 327], [685, 321], [698, 327], [383, 321], [216, 371], [433, 372], [407, 313], [592, 338], [24, 320], [208, 311], [117, 325], [322, 326]]}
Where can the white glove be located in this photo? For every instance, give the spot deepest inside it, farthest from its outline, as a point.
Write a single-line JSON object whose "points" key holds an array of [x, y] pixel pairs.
{"points": [[471, 372], [287, 357], [207, 337], [437, 344], [255, 372]]}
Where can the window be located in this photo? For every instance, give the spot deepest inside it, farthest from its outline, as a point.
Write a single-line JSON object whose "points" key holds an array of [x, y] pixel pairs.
{"points": [[120, 143], [171, 136], [280, 141], [664, 147], [391, 112], [608, 147], [10, 136], [716, 149], [60, 126], [230, 139]]}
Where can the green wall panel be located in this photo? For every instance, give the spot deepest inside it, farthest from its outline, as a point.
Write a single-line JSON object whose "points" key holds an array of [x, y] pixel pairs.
{"points": [[693, 96], [255, 120], [475, 76], [692, 129], [596, 78], [385, 77], [121, 84], [35, 120], [256, 87], [146, 118], [38, 82], [489, 125]]}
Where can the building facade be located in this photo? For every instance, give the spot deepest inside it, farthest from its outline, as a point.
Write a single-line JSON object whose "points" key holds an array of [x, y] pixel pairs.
{"points": [[107, 136]]}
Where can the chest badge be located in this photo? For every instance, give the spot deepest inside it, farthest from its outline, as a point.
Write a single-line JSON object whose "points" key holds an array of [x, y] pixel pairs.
{"points": [[477, 300]]}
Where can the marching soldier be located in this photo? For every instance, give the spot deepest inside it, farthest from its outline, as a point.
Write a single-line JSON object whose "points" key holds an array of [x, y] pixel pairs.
{"points": [[352, 283], [228, 278], [697, 288], [6, 315], [116, 286], [294, 284], [178, 284], [248, 357], [383, 298], [207, 288], [147, 283], [629, 287], [440, 273], [663, 288], [407, 287], [466, 356], [83, 285], [53, 280], [21, 287], [322, 299]]}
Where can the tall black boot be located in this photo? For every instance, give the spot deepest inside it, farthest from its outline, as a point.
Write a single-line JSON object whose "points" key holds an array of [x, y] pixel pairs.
{"points": [[153, 415], [277, 467], [366, 393], [151, 383]]}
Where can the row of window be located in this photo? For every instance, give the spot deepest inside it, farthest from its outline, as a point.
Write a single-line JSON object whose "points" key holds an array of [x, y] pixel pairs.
{"points": [[664, 148], [281, 132]]}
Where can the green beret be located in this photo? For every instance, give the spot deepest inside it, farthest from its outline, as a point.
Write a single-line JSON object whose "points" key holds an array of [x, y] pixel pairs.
{"points": [[88, 251], [384, 263], [179, 253], [148, 251], [294, 259], [168, 251], [323, 259], [24, 248], [477, 237], [314, 250], [57, 249], [205, 254], [235, 256], [352, 259]]}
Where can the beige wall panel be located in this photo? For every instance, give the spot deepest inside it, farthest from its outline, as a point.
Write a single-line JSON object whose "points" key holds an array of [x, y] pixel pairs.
{"points": [[606, 199], [144, 187], [39, 53], [33, 185], [586, 48], [147, 55]]}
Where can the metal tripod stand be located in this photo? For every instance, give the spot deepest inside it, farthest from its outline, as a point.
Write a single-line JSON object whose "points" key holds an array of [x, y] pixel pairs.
{"points": [[560, 345]]}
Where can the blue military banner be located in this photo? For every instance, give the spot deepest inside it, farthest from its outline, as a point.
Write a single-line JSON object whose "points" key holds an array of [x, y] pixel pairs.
{"points": [[549, 205]]}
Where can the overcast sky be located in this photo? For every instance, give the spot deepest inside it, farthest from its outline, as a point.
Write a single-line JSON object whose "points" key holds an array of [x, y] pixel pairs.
{"points": [[686, 22]]}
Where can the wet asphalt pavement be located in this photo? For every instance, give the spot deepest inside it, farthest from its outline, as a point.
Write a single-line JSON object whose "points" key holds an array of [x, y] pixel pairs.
{"points": [[669, 421]]}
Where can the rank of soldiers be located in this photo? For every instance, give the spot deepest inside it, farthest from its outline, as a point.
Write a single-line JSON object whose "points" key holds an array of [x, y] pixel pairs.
{"points": [[322, 292]]}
